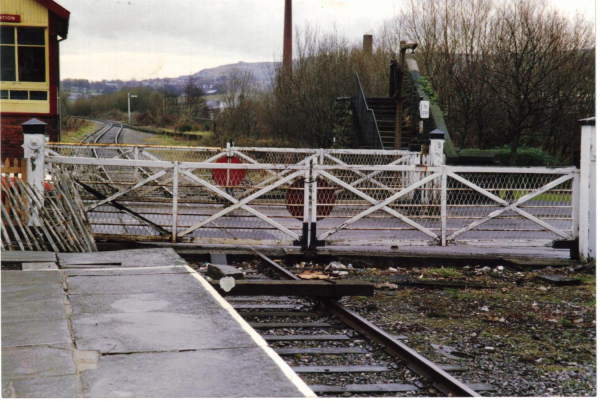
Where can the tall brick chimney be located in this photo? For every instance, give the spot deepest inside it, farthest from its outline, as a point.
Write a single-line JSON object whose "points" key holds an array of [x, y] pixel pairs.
{"points": [[368, 44], [287, 38]]}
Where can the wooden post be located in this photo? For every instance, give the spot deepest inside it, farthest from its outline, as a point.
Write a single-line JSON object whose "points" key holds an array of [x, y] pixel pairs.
{"points": [[587, 191]]}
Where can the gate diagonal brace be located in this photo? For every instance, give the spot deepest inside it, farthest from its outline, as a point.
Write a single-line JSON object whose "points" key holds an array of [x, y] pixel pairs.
{"points": [[240, 203], [274, 175], [127, 190], [373, 174], [361, 174], [380, 205], [508, 206], [123, 208]]}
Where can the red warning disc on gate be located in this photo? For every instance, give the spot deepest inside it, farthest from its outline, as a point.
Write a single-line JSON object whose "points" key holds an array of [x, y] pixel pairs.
{"points": [[228, 177], [294, 198]]}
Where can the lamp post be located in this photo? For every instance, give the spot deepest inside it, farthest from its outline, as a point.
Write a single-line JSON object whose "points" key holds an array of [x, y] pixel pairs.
{"points": [[129, 96], [400, 92]]}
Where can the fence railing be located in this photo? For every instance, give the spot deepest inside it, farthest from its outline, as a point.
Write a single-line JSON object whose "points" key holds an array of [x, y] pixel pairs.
{"points": [[366, 119]]}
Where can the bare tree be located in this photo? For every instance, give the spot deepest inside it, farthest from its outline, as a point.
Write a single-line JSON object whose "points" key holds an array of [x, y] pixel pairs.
{"points": [[194, 97], [533, 51], [301, 108], [237, 87], [507, 73], [241, 116]]}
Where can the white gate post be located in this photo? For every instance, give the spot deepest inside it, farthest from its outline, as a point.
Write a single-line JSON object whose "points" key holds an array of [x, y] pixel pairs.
{"points": [[306, 219], [587, 192], [436, 148], [436, 158], [34, 143], [443, 204], [33, 149], [175, 202]]}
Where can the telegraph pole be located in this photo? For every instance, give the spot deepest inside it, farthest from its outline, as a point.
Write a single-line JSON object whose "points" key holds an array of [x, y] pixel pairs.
{"points": [[129, 96]]}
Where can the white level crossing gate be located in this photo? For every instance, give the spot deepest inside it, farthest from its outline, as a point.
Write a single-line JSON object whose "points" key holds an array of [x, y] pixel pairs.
{"points": [[451, 204], [312, 197]]}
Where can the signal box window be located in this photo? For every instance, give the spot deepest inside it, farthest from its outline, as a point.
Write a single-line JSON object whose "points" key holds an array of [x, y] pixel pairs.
{"points": [[23, 53]]}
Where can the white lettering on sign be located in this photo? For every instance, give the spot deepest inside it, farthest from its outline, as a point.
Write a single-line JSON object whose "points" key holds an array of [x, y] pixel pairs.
{"points": [[10, 18]]}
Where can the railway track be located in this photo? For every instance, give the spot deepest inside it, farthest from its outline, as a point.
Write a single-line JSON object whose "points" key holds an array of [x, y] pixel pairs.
{"points": [[336, 351]]}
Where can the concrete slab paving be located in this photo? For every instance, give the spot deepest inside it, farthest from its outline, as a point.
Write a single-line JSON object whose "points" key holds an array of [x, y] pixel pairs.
{"points": [[151, 257], [232, 373], [29, 277], [141, 332], [28, 256], [125, 271], [127, 322], [35, 361], [180, 303], [114, 331], [31, 333], [33, 310], [130, 284], [40, 266], [66, 386], [34, 291]]}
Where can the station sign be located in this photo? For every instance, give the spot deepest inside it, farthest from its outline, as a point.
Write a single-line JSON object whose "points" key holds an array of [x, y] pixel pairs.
{"points": [[10, 18]]}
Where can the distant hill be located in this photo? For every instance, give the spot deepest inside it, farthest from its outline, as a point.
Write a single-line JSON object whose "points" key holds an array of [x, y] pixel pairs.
{"points": [[260, 70], [209, 79]]}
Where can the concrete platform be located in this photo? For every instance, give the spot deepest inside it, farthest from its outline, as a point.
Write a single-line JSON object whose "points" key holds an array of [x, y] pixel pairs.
{"points": [[131, 331]]}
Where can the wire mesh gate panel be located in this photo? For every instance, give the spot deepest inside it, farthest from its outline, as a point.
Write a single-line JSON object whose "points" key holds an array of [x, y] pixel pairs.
{"points": [[389, 199], [515, 206], [346, 197]]}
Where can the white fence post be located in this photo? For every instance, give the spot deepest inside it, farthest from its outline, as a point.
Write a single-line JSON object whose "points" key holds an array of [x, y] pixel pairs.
{"points": [[319, 159], [436, 158], [436, 148], [34, 143], [175, 202], [33, 149], [136, 156], [307, 211], [587, 192], [443, 204]]}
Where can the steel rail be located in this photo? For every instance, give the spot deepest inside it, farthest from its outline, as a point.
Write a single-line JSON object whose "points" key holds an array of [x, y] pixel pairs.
{"points": [[420, 365]]}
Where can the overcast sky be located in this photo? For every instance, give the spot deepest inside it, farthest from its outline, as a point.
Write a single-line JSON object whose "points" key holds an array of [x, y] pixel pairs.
{"points": [[125, 39]]}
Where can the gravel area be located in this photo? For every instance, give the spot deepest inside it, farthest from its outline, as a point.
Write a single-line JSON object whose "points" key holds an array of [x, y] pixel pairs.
{"points": [[525, 337]]}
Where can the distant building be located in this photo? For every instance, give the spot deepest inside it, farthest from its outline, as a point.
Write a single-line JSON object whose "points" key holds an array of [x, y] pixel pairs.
{"points": [[215, 107], [29, 42]]}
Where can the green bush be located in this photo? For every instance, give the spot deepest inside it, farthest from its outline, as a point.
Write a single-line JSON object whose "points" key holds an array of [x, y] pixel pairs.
{"points": [[184, 128], [526, 156], [427, 87]]}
